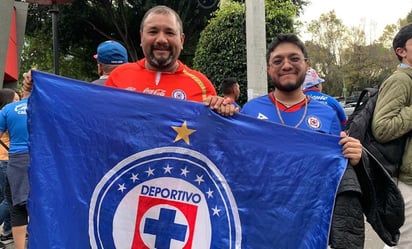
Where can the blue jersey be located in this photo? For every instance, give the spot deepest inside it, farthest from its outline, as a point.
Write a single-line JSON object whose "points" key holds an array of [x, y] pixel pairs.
{"points": [[308, 114], [315, 94], [13, 118]]}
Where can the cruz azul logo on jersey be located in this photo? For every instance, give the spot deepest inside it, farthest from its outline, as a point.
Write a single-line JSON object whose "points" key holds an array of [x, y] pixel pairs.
{"points": [[168, 197]]}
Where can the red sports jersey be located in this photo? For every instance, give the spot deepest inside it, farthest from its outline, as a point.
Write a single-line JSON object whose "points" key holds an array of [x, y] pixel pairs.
{"points": [[185, 83]]}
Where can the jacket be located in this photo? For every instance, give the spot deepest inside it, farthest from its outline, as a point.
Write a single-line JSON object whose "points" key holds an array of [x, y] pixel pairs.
{"points": [[366, 189], [348, 226], [393, 115], [382, 202]]}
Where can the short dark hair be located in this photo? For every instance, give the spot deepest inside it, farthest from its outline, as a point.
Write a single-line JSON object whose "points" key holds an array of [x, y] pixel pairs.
{"points": [[227, 85], [6, 96], [162, 9], [403, 35], [285, 38]]}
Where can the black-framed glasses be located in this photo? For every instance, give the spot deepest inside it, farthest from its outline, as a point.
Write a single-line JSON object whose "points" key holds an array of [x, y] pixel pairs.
{"points": [[293, 60]]}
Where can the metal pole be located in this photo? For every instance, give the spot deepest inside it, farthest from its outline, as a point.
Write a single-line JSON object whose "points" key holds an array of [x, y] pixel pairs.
{"points": [[54, 11], [256, 48]]}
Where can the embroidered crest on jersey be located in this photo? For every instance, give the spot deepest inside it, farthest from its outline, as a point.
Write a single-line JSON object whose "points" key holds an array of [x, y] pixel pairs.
{"points": [[179, 94], [313, 122], [167, 197]]}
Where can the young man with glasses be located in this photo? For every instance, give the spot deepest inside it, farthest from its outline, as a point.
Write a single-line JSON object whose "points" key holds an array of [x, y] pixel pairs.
{"points": [[288, 105]]}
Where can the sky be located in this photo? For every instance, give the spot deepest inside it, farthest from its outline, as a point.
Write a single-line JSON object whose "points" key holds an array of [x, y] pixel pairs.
{"points": [[370, 15]]}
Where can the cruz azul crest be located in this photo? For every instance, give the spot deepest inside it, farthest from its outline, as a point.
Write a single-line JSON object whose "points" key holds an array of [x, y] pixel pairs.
{"points": [[168, 197]]}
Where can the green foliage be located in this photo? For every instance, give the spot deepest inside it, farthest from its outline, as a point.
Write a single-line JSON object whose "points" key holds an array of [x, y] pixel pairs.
{"points": [[329, 32], [279, 17], [221, 51], [37, 53], [409, 17], [388, 33]]}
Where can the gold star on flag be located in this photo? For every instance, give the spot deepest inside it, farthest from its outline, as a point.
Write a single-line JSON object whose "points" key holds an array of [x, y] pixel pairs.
{"points": [[183, 132]]}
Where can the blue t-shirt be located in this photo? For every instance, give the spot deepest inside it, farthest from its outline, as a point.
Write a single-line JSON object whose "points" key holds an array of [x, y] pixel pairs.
{"points": [[13, 118], [330, 101], [313, 116]]}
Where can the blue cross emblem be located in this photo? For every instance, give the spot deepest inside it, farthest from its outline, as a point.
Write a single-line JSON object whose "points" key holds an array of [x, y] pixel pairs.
{"points": [[165, 229]]}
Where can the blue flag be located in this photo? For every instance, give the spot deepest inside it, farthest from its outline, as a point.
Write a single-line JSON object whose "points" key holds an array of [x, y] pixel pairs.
{"points": [[119, 169]]}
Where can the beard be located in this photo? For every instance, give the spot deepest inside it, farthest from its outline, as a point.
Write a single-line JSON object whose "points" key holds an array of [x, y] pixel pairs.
{"points": [[289, 86], [161, 62]]}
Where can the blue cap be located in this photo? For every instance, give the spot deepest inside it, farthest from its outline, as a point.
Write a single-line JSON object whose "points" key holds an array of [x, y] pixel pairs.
{"points": [[311, 79], [111, 52]]}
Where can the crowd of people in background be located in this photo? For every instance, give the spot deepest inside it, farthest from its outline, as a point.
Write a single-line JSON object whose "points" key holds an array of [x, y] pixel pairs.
{"points": [[7, 96], [297, 101], [13, 121]]}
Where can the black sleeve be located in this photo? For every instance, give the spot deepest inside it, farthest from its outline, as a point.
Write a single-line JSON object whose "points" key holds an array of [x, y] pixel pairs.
{"points": [[348, 226]]}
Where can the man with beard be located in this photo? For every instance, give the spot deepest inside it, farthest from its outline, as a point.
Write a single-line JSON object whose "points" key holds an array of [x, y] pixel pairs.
{"points": [[288, 105], [161, 72]]}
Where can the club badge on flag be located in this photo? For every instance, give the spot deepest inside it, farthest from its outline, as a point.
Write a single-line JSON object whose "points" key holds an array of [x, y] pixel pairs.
{"points": [[166, 197], [117, 169]]}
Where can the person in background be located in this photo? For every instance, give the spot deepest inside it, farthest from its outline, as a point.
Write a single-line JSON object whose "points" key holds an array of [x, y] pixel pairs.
{"points": [[6, 96], [110, 54], [13, 120], [392, 119], [312, 86], [231, 89], [287, 105], [160, 72]]}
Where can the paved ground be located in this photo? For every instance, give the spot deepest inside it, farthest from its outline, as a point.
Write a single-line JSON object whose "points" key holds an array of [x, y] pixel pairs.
{"points": [[372, 241]]}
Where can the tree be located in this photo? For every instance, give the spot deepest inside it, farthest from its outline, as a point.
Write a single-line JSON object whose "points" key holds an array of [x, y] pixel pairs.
{"points": [[342, 56], [76, 59], [409, 17], [328, 39], [329, 32], [389, 32], [221, 51]]}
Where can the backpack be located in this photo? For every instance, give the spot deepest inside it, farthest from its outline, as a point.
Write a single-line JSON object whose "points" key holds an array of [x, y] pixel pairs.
{"points": [[360, 126]]}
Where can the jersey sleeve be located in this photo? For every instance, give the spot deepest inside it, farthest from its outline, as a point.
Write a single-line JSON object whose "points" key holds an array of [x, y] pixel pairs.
{"points": [[210, 89], [392, 115], [340, 112], [3, 126], [336, 127]]}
